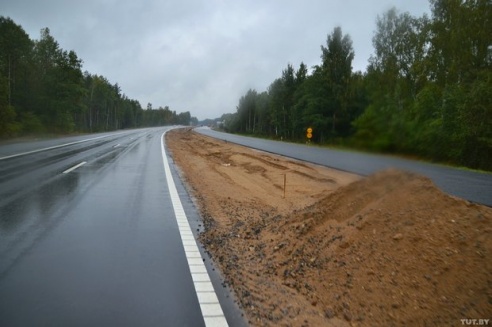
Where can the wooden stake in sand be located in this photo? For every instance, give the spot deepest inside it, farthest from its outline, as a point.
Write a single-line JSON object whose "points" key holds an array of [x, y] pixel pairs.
{"points": [[285, 182]]}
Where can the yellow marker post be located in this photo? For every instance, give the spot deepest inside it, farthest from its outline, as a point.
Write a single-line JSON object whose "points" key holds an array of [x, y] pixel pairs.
{"points": [[309, 134]]}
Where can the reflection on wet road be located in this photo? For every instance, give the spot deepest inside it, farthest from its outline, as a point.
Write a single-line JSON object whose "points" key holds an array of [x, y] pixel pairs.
{"points": [[98, 245], [34, 193]]}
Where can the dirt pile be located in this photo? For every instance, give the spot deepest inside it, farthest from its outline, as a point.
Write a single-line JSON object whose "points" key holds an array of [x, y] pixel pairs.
{"points": [[387, 250]]}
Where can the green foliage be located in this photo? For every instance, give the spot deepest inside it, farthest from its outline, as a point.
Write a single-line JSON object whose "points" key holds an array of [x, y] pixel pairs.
{"points": [[8, 125], [31, 124], [326, 100], [15, 49], [427, 90], [476, 123], [43, 89], [7, 113], [337, 72], [429, 85]]}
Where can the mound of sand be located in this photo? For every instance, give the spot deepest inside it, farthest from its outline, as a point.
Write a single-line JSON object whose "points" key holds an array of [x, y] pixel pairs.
{"points": [[390, 249], [387, 250]]}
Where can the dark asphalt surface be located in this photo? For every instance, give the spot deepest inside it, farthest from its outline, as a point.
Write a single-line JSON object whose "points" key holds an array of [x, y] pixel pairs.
{"points": [[470, 185], [98, 246]]}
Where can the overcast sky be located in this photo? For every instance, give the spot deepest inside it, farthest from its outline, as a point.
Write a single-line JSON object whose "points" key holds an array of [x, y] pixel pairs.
{"points": [[200, 56]]}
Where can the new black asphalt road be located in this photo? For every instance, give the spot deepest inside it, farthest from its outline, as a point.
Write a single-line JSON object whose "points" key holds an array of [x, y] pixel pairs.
{"points": [[471, 185], [91, 235]]}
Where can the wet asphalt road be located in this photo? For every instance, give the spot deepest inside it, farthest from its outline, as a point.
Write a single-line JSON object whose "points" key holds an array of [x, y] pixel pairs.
{"points": [[470, 185], [95, 246]]}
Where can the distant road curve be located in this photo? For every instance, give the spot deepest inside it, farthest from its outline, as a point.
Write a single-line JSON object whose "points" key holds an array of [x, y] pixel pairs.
{"points": [[471, 185]]}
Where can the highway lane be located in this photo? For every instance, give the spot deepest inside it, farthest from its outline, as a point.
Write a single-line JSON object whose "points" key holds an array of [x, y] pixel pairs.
{"points": [[19, 148], [471, 185], [98, 243]]}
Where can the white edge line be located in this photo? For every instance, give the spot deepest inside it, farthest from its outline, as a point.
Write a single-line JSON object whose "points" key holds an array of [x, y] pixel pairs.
{"points": [[56, 146], [207, 298], [74, 167]]}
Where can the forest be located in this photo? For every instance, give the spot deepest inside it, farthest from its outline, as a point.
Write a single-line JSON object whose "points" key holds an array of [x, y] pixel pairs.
{"points": [[426, 93], [43, 90]]}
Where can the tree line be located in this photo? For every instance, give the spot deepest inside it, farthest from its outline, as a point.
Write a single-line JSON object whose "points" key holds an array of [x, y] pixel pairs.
{"points": [[427, 90], [43, 89]]}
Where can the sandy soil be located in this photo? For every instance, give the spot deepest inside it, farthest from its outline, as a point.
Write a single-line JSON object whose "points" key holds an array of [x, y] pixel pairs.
{"points": [[337, 249]]}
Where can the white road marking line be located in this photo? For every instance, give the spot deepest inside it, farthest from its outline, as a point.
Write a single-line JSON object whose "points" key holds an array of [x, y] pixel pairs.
{"points": [[206, 297], [74, 167], [209, 303], [201, 287], [215, 321], [56, 146], [198, 269]]}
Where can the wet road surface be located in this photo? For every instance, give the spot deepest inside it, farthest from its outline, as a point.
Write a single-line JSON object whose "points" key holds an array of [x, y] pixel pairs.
{"points": [[89, 237], [471, 185]]}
